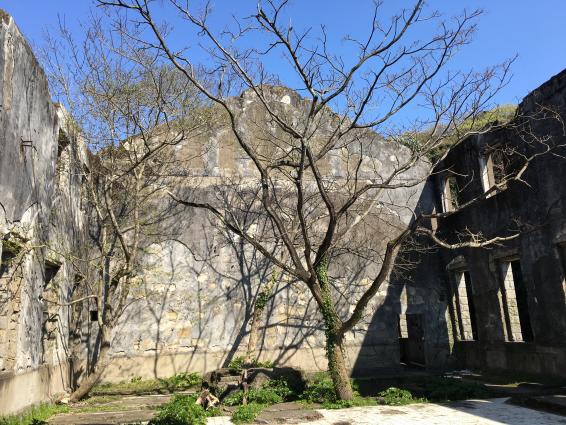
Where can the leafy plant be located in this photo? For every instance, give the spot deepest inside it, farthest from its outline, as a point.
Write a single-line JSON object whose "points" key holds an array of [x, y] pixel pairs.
{"points": [[137, 385], [247, 414], [445, 389], [358, 401], [239, 363], [280, 386], [272, 392], [182, 410], [394, 396], [319, 390], [181, 381]]}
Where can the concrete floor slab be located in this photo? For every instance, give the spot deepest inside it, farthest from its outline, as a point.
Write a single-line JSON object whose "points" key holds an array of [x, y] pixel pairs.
{"points": [[470, 412]]}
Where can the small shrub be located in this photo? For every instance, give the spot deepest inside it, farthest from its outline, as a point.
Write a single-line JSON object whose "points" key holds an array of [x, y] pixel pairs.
{"points": [[396, 397], [272, 392], [235, 398], [267, 364], [319, 390], [447, 389], [264, 396], [182, 410], [136, 379], [181, 381], [280, 386], [358, 401], [247, 414], [239, 363]]}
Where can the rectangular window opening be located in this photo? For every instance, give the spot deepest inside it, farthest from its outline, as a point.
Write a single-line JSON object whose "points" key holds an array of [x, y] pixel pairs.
{"points": [[499, 166], [495, 165], [450, 192], [94, 315], [515, 306], [50, 271], [10, 251], [464, 307], [403, 332], [5, 261]]}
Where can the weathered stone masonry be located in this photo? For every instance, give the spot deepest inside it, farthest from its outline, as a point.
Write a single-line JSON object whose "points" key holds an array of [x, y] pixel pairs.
{"points": [[502, 308], [505, 307], [40, 221]]}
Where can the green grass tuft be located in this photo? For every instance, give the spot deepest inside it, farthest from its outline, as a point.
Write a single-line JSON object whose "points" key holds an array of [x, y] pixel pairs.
{"points": [[394, 396], [239, 363], [182, 410], [36, 415], [247, 414]]}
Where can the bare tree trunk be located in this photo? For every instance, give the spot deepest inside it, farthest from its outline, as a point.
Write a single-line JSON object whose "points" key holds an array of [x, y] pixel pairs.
{"points": [[259, 307], [334, 338], [337, 367], [254, 334], [102, 362]]}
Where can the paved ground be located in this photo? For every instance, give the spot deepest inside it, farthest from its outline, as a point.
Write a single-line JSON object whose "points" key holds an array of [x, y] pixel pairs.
{"points": [[493, 411], [471, 412]]}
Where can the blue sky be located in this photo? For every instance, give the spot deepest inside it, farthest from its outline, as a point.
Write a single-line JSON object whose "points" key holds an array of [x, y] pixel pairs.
{"points": [[535, 30]]}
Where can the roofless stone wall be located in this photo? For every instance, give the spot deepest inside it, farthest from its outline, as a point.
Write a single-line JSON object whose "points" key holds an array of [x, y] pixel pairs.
{"points": [[39, 217], [193, 310]]}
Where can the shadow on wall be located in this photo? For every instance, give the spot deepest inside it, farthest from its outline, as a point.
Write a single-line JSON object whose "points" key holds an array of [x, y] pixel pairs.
{"points": [[410, 324], [194, 308]]}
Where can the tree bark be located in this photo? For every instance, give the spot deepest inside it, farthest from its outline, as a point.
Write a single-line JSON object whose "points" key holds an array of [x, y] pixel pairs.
{"points": [[254, 335], [102, 362], [334, 337], [337, 368]]}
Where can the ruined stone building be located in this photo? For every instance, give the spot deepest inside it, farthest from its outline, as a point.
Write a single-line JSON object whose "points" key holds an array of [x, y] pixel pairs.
{"points": [[40, 222], [501, 308]]}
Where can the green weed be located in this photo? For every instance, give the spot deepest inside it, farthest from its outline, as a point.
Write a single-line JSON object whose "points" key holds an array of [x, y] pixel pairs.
{"points": [[239, 363], [394, 396], [247, 414], [182, 410], [36, 415], [272, 392], [447, 389]]}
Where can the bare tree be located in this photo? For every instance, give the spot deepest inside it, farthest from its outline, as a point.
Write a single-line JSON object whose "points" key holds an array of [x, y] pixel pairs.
{"points": [[351, 111], [131, 113]]}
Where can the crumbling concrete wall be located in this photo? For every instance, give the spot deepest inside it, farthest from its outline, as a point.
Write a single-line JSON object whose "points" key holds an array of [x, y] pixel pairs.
{"points": [[40, 224]]}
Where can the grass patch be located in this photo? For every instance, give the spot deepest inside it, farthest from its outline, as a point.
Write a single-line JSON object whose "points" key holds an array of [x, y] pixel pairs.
{"points": [[247, 414], [320, 390], [239, 363], [182, 410], [137, 385], [394, 396], [36, 415]]}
